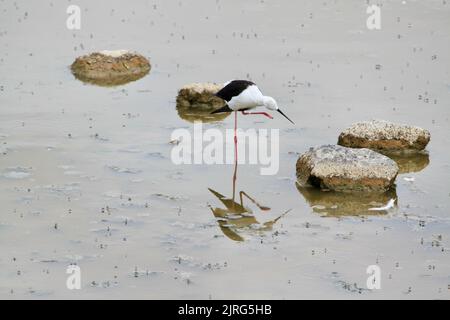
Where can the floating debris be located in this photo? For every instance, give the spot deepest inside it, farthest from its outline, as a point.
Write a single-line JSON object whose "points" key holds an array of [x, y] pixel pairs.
{"points": [[388, 206], [183, 259], [157, 155], [146, 273], [175, 142], [171, 198], [184, 276], [124, 170]]}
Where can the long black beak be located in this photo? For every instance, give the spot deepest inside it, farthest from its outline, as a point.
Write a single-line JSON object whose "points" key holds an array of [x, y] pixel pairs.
{"points": [[285, 116]]}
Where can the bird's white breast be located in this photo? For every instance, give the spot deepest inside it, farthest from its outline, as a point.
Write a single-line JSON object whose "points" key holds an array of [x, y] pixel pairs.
{"points": [[251, 97]]}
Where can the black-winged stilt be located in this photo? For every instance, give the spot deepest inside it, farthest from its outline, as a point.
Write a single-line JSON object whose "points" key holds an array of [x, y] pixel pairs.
{"points": [[243, 95]]}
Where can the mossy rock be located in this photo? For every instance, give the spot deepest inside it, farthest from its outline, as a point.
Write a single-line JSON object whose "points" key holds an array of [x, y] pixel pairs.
{"points": [[110, 68], [200, 96], [197, 101]]}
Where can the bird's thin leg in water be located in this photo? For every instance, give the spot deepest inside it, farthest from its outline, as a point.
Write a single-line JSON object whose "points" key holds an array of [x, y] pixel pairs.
{"points": [[235, 156], [255, 113], [234, 181]]}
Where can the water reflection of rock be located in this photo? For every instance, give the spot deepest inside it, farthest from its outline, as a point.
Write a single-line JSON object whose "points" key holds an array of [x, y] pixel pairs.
{"points": [[112, 82], [193, 114], [410, 162], [337, 204]]}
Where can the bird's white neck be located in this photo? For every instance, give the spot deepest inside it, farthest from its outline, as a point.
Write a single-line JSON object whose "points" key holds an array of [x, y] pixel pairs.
{"points": [[270, 103]]}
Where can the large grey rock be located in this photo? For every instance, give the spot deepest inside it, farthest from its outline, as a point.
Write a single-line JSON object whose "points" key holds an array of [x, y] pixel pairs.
{"points": [[384, 136], [344, 169]]}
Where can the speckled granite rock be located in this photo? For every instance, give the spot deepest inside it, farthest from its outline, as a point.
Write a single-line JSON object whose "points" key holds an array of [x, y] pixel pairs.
{"points": [[344, 169], [383, 135], [110, 68], [200, 96]]}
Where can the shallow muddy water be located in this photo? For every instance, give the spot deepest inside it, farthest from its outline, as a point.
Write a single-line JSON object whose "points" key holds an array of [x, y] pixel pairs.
{"points": [[86, 175]]}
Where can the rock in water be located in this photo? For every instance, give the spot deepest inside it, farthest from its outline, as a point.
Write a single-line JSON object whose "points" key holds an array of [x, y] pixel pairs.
{"points": [[200, 96], [344, 169], [110, 68], [384, 136]]}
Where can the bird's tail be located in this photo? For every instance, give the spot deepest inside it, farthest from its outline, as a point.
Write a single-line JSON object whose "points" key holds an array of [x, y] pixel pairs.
{"points": [[225, 108]]}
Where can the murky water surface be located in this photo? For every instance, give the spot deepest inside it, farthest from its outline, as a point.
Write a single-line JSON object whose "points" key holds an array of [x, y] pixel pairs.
{"points": [[86, 175]]}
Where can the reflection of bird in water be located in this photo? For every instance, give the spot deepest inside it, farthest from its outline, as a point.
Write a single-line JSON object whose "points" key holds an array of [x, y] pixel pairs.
{"points": [[236, 216]]}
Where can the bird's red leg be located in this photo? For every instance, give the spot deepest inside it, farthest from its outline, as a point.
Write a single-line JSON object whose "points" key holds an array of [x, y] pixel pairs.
{"points": [[235, 137], [235, 156], [262, 113]]}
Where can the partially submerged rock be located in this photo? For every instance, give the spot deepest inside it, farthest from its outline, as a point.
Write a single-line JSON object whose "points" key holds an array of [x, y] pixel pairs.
{"points": [[384, 136], [110, 68], [200, 97], [344, 169]]}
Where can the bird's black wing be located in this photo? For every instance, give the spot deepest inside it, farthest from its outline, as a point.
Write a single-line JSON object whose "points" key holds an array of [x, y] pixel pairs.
{"points": [[232, 89]]}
